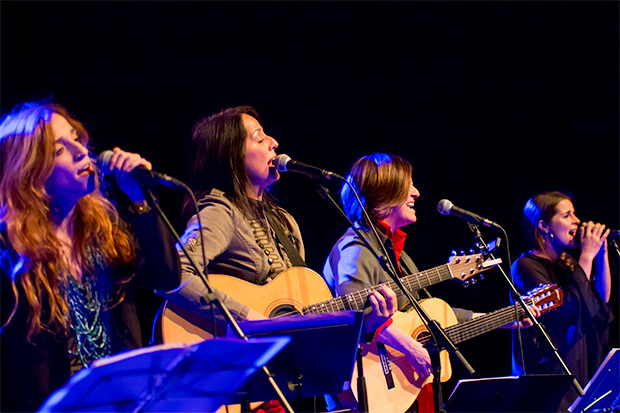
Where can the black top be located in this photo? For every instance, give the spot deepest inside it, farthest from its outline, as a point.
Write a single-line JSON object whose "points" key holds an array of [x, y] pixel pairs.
{"points": [[31, 372], [578, 328]]}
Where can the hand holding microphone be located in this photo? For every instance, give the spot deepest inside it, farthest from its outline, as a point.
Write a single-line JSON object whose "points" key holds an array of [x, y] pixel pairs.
{"points": [[592, 238], [133, 172]]}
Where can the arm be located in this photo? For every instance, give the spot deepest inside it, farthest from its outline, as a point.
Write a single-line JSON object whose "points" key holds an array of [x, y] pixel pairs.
{"points": [[602, 277], [159, 267], [593, 238], [415, 352]]}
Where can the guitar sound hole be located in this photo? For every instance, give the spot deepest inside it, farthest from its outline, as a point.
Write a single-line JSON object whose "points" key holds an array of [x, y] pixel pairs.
{"points": [[284, 309], [423, 337]]}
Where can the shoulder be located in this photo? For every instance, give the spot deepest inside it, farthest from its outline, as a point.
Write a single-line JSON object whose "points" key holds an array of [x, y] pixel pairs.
{"points": [[349, 245], [288, 216], [528, 262], [216, 204], [530, 270]]}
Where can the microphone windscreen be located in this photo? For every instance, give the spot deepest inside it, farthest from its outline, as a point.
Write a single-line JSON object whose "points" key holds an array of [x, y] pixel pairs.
{"points": [[444, 206], [103, 161], [281, 161]]}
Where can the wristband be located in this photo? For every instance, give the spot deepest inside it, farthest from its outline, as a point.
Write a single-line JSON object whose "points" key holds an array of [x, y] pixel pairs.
{"points": [[381, 328]]}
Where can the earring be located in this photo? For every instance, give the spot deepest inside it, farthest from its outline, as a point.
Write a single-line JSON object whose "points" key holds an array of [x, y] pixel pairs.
{"points": [[551, 236]]}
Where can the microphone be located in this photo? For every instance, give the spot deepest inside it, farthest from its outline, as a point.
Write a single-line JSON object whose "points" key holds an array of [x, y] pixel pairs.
{"points": [[144, 177], [284, 163], [446, 207]]}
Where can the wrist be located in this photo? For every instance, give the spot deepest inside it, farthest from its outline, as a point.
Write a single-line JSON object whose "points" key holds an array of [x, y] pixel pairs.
{"points": [[139, 207], [382, 327]]}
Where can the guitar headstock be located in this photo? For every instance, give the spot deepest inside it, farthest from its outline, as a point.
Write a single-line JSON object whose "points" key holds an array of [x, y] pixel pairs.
{"points": [[465, 267], [545, 297]]}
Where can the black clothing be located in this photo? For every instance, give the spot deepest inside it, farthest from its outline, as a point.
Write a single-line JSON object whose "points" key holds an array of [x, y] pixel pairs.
{"points": [[30, 372], [579, 328]]}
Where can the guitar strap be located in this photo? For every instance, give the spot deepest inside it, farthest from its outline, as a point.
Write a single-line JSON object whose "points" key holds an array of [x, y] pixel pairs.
{"points": [[289, 248]]}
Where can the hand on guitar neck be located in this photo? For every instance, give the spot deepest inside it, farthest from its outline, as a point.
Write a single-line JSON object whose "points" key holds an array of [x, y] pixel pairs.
{"points": [[384, 305], [383, 301]]}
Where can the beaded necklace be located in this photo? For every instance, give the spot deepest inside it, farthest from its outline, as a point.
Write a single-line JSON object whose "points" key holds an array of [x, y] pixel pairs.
{"points": [[89, 321]]}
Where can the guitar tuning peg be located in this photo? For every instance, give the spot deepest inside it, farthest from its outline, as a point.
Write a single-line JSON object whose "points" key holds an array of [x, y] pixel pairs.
{"points": [[481, 277], [471, 251], [462, 252], [453, 253], [466, 284], [474, 281]]}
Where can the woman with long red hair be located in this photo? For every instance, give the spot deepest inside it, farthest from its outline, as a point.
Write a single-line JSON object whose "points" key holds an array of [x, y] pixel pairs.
{"points": [[68, 262]]}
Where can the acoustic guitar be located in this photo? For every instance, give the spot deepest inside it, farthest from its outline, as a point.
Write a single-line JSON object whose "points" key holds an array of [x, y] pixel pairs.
{"points": [[300, 290], [393, 385]]}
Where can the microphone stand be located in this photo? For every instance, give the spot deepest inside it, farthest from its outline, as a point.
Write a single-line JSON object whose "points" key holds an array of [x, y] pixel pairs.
{"points": [[615, 245], [438, 337], [484, 249], [212, 295]]}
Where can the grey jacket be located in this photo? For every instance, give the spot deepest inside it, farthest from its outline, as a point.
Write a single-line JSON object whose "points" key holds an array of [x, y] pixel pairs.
{"points": [[351, 266], [233, 246]]}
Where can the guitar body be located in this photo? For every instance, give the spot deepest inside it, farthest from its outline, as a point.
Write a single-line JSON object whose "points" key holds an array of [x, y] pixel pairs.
{"points": [[297, 289], [288, 293], [407, 383]]}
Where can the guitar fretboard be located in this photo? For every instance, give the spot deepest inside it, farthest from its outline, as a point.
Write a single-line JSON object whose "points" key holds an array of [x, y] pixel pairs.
{"points": [[359, 299], [483, 324]]}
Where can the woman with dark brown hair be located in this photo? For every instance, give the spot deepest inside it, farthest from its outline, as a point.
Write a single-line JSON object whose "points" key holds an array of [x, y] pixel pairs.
{"points": [[231, 169], [68, 261], [578, 328]]}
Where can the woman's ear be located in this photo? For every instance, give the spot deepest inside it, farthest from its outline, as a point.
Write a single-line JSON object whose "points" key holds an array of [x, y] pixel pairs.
{"points": [[543, 227]]}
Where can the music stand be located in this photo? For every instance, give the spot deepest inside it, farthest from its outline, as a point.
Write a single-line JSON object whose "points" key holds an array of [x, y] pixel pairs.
{"points": [[602, 394], [531, 393], [319, 360], [165, 378]]}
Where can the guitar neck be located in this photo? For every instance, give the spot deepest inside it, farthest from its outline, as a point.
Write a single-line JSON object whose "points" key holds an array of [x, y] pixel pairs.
{"points": [[483, 324], [358, 300]]}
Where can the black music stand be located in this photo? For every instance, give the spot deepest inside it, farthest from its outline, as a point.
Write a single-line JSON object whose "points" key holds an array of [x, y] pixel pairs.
{"points": [[531, 393], [319, 360], [602, 394], [166, 378]]}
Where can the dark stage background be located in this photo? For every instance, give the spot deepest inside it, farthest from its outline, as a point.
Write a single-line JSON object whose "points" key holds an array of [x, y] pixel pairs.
{"points": [[492, 102]]}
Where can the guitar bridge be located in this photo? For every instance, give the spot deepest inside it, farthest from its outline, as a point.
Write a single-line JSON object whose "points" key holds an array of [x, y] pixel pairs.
{"points": [[384, 356]]}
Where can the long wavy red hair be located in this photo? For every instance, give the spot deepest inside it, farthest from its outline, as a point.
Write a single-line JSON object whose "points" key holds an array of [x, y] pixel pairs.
{"points": [[27, 156]]}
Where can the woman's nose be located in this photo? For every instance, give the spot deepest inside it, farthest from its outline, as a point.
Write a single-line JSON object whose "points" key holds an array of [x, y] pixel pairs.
{"points": [[79, 152], [414, 192]]}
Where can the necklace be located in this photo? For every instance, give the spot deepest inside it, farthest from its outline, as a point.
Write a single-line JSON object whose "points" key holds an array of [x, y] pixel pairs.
{"points": [[89, 321]]}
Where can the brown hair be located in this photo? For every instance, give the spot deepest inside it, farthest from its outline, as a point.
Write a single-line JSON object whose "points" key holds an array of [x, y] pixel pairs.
{"points": [[27, 158], [217, 160], [381, 180], [543, 206]]}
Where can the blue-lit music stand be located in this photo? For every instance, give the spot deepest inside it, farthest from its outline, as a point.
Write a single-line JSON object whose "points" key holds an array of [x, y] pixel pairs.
{"points": [[166, 378], [530, 393], [602, 394], [319, 360]]}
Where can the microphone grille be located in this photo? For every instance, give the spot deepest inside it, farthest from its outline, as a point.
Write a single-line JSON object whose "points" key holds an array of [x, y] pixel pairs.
{"points": [[281, 161], [444, 206], [103, 160]]}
